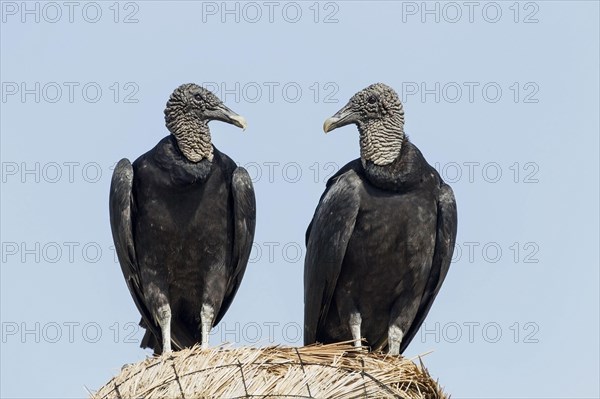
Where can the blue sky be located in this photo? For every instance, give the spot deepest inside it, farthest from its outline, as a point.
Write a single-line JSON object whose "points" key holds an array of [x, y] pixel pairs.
{"points": [[501, 97]]}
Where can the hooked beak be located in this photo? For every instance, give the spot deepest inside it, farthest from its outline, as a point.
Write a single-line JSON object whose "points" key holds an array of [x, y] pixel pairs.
{"points": [[343, 117], [224, 114]]}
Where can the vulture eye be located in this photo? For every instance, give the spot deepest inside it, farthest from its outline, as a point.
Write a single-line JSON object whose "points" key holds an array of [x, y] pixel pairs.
{"points": [[372, 100]]}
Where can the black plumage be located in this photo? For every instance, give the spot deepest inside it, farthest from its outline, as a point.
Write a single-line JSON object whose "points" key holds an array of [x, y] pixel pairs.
{"points": [[381, 240], [182, 219]]}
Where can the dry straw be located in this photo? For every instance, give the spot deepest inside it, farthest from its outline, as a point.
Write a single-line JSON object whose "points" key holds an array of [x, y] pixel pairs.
{"points": [[317, 371]]}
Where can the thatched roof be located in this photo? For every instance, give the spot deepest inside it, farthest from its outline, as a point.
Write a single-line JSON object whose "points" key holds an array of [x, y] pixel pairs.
{"points": [[317, 371]]}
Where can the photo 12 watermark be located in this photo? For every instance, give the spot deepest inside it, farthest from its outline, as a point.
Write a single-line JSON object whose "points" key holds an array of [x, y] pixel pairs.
{"points": [[453, 92], [488, 172], [273, 91], [492, 252], [253, 12], [53, 172], [489, 332], [454, 12], [69, 12], [52, 332], [90, 92]]}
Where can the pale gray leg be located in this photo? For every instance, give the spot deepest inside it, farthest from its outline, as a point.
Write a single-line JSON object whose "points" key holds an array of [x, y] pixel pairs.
{"points": [[207, 316], [348, 313], [163, 316], [355, 322], [158, 302], [395, 335], [402, 314]]}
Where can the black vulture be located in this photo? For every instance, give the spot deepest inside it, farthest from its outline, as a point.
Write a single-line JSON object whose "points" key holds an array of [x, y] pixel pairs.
{"points": [[381, 240], [182, 219]]}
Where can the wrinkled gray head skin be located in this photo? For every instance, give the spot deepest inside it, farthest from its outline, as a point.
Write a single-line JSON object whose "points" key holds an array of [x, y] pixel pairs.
{"points": [[379, 116], [187, 114]]}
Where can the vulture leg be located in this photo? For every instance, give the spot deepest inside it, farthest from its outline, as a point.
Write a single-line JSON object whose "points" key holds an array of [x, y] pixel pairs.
{"points": [[395, 335], [348, 311], [355, 322], [159, 303], [207, 316], [164, 321], [398, 317]]}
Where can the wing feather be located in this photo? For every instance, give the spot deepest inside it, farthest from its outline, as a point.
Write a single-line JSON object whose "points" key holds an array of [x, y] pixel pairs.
{"points": [[121, 223], [244, 214], [442, 256], [327, 239]]}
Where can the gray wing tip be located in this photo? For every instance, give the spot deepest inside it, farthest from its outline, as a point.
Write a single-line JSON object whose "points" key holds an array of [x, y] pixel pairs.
{"points": [[123, 170], [241, 175], [123, 161], [446, 193], [243, 187]]}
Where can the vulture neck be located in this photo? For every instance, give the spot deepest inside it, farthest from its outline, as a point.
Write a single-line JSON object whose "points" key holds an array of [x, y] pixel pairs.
{"points": [[193, 138], [381, 140]]}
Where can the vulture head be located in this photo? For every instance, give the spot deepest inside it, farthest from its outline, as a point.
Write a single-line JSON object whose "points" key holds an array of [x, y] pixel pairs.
{"points": [[187, 114], [379, 116]]}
